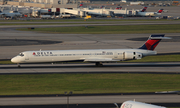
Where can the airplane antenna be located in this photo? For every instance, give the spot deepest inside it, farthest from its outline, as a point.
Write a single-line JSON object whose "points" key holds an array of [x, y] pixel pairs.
{"points": [[40, 49], [134, 100]]}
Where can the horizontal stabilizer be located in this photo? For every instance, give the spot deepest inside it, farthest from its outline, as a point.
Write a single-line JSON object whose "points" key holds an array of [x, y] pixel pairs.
{"points": [[159, 38], [153, 41]]}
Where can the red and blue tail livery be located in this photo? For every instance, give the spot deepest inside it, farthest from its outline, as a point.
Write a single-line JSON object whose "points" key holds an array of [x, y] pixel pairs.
{"points": [[144, 9], [160, 11], [153, 41]]}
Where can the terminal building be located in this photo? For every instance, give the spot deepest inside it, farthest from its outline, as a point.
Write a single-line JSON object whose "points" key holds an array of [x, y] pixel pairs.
{"points": [[44, 3]]}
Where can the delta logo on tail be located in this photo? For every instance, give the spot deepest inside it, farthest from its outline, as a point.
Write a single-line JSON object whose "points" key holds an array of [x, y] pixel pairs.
{"points": [[81, 5], [102, 6], [119, 7], [152, 42], [144, 9], [160, 10]]}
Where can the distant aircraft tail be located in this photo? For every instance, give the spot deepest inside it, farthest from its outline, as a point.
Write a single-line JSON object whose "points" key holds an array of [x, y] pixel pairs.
{"points": [[118, 7], [153, 41], [160, 11], [102, 7], [80, 5], [144, 9]]}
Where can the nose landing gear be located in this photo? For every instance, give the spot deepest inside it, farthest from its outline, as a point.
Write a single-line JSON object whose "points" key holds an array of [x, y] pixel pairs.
{"points": [[19, 65], [99, 64]]}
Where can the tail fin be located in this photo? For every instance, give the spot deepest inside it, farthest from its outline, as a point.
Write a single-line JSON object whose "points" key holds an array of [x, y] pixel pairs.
{"points": [[144, 9], [160, 11], [102, 7], [153, 41], [81, 5], [119, 7]]}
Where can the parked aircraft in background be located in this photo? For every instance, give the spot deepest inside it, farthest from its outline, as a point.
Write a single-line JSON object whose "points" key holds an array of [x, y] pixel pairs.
{"points": [[119, 7], [81, 5], [12, 14], [102, 7], [143, 9], [150, 13], [1, 13], [99, 12], [119, 12], [135, 104], [97, 56]]}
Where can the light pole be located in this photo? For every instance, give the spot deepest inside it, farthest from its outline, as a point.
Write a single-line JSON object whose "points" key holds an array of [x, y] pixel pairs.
{"points": [[68, 94]]}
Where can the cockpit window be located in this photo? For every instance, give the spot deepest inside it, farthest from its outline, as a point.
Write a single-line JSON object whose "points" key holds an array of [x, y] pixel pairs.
{"points": [[21, 54]]}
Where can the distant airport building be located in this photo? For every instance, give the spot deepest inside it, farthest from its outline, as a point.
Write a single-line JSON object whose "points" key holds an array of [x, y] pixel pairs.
{"points": [[133, 0], [44, 3], [124, 1]]}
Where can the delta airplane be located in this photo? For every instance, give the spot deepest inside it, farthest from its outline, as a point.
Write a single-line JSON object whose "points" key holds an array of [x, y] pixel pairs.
{"points": [[135, 104], [12, 14], [119, 12], [142, 10], [99, 12], [150, 13], [97, 56]]}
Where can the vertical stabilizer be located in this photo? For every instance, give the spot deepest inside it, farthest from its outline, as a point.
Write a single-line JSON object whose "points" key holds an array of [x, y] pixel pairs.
{"points": [[152, 42], [160, 11], [144, 9]]}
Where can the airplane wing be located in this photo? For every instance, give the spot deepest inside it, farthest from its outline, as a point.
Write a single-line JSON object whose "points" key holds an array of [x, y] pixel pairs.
{"points": [[100, 60]]}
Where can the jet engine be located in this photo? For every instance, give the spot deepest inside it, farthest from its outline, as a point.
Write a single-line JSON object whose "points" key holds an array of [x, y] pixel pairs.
{"points": [[132, 55]]}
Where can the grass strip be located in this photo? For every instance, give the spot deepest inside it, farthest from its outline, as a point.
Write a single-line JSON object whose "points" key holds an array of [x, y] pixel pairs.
{"points": [[28, 84], [124, 29], [155, 58], [38, 24]]}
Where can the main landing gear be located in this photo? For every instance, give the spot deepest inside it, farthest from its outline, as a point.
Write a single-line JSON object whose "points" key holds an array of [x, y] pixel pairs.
{"points": [[19, 65], [99, 64]]}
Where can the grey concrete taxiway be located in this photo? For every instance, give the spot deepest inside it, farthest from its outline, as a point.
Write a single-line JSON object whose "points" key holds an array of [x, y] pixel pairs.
{"points": [[170, 98], [172, 68]]}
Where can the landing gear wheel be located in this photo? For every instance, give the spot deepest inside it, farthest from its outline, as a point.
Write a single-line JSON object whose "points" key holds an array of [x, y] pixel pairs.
{"points": [[19, 65], [99, 64]]}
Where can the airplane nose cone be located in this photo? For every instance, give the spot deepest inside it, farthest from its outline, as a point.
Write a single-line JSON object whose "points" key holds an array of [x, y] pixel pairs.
{"points": [[14, 60]]}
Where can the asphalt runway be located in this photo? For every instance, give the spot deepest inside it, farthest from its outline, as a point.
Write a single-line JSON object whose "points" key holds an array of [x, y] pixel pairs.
{"points": [[155, 68], [109, 99]]}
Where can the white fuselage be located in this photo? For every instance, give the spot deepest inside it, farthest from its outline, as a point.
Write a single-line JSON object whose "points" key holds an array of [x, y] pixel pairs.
{"points": [[135, 104], [97, 55], [148, 14], [13, 14]]}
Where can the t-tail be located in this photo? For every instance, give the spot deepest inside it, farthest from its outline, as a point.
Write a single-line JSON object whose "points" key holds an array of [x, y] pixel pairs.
{"points": [[153, 41], [160, 11], [119, 7], [81, 5], [144, 9]]}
